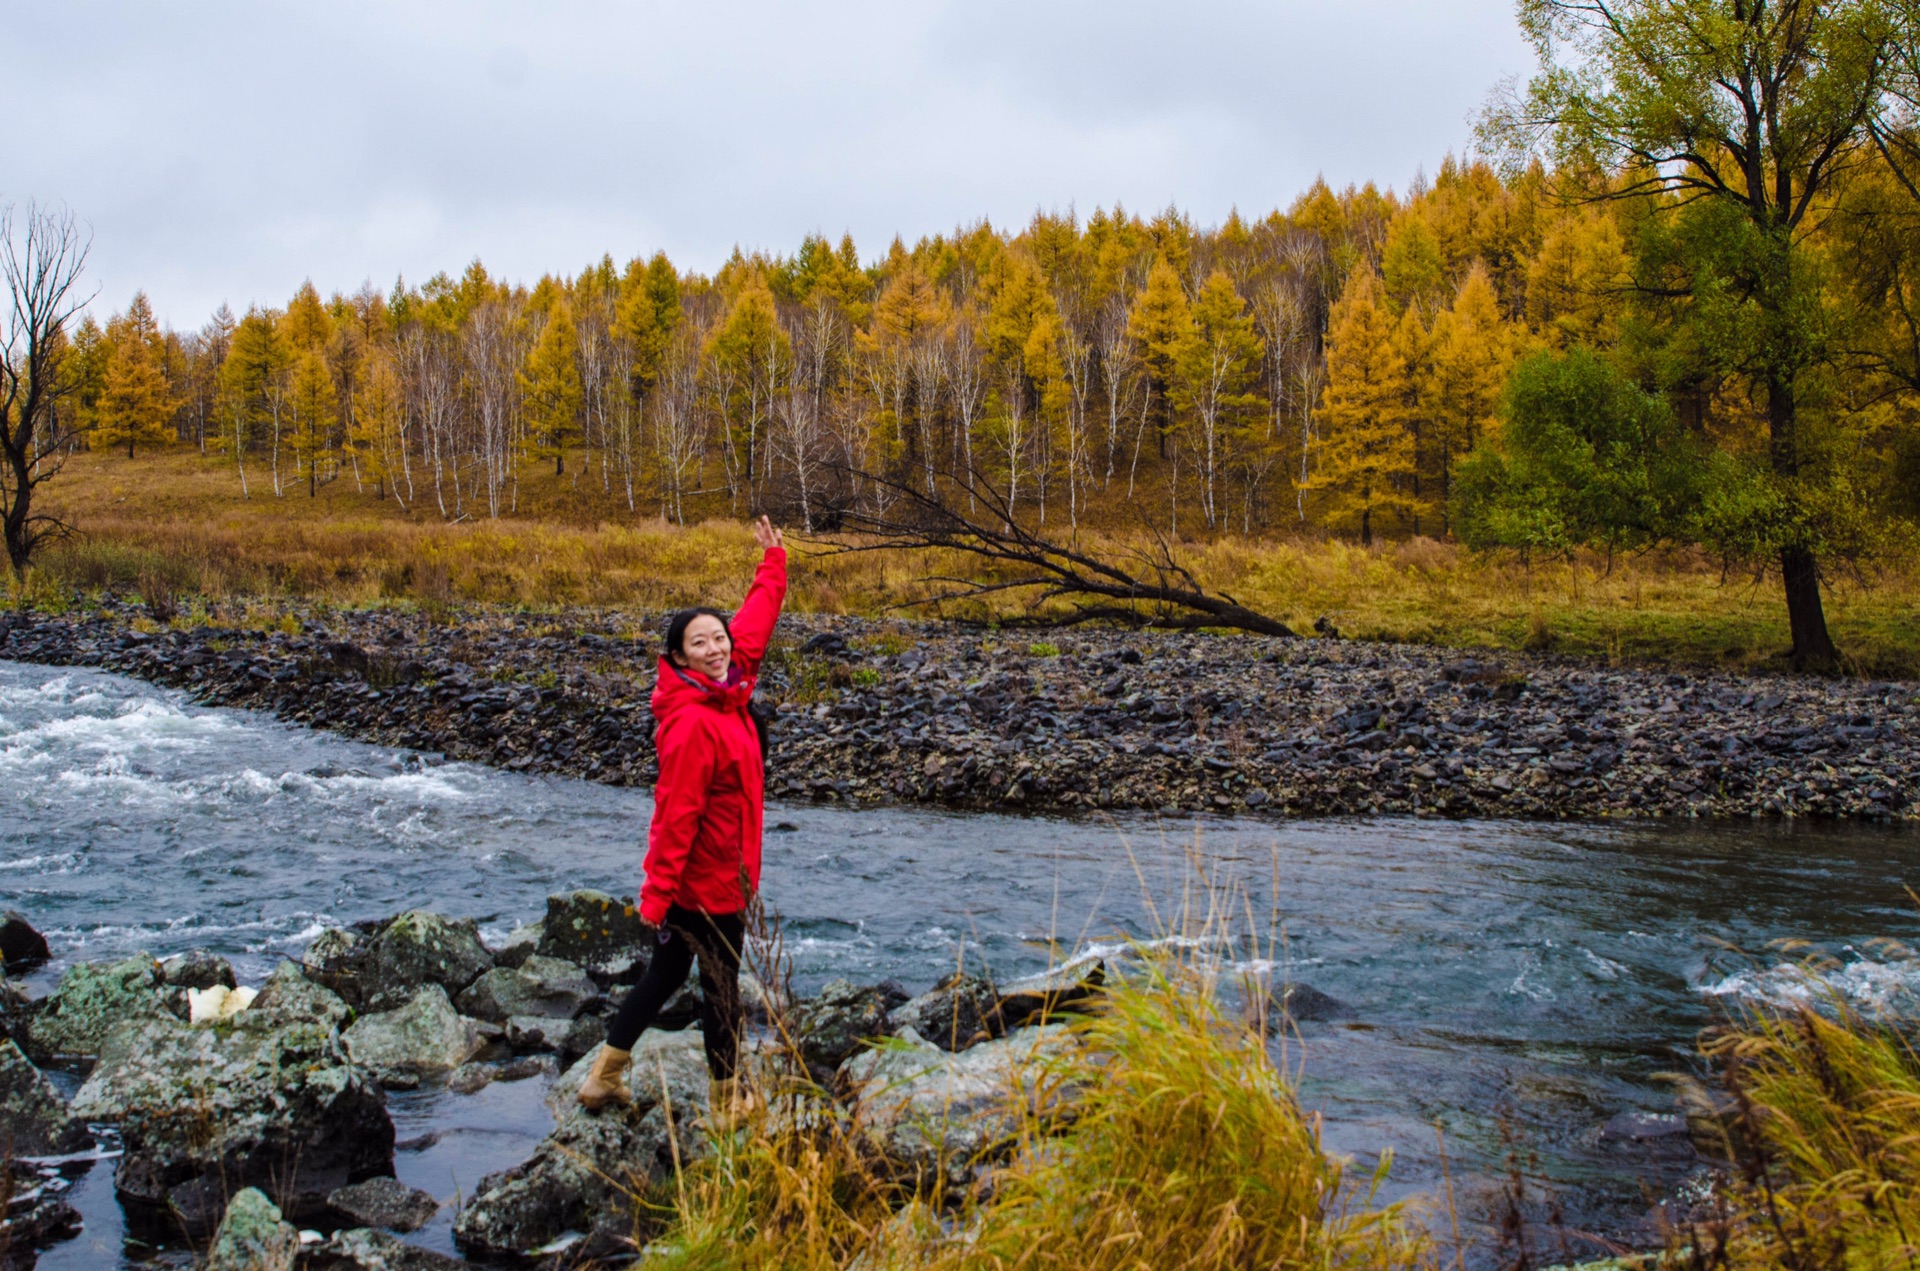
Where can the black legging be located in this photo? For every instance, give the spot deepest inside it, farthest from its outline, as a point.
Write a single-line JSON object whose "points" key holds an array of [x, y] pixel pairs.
{"points": [[713, 939]]}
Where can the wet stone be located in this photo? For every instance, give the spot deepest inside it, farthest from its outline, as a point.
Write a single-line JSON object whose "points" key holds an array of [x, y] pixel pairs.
{"points": [[92, 999], [34, 1120], [368, 1249], [22, 948], [253, 1236], [196, 969], [420, 948], [289, 993], [425, 1036], [597, 932], [260, 1101], [384, 1202], [540, 985]]}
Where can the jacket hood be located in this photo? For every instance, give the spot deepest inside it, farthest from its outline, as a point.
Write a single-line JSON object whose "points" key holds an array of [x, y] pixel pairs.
{"points": [[678, 688]]}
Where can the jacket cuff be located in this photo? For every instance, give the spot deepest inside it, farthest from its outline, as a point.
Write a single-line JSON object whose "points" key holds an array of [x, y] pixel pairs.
{"points": [[653, 910]]}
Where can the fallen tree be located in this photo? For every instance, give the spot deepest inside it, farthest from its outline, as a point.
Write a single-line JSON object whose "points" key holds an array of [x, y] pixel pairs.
{"points": [[1133, 587]]}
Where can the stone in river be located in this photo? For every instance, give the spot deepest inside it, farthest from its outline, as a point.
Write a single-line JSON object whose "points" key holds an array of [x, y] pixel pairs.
{"points": [[826, 1029], [544, 1032], [37, 1212], [952, 1015], [252, 1236], [261, 1101], [290, 994], [578, 1176], [34, 1120], [930, 1112], [521, 944], [420, 948], [22, 948], [598, 932], [538, 986], [384, 1202], [427, 1035], [368, 1249], [92, 999], [197, 969], [1058, 992], [1304, 1003]]}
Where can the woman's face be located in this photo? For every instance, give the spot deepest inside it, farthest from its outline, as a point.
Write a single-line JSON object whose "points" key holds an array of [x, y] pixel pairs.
{"points": [[706, 648]]}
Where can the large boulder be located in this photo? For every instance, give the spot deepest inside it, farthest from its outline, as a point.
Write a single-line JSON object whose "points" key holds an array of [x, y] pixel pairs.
{"points": [[197, 969], [290, 995], [427, 1035], [568, 1037], [34, 1120], [521, 943], [538, 986], [420, 948], [364, 1249], [92, 999], [257, 1102], [952, 1015], [596, 931], [579, 1175], [384, 1202], [666, 1066], [936, 1114], [1044, 998], [828, 1028], [253, 1236], [335, 959], [22, 948]]}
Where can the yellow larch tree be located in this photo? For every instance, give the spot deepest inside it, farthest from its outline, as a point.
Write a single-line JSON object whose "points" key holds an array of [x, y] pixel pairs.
{"points": [[315, 409], [550, 383], [137, 404], [1472, 349], [1577, 281], [1364, 461]]}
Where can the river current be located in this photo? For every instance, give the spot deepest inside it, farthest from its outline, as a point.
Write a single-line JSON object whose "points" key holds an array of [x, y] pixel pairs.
{"points": [[1514, 987]]}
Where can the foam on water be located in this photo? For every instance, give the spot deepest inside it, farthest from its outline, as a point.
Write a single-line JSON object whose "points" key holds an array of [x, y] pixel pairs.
{"points": [[1867, 985]]}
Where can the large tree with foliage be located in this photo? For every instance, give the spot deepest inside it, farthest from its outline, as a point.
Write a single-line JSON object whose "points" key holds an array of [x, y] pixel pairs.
{"points": [[1751, 112]]}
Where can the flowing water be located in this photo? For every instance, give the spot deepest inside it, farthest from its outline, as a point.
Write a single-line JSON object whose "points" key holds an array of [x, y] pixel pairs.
{"points": [[1511, 986]]}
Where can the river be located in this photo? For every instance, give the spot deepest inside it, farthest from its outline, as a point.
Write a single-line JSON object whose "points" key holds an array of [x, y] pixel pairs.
{"points": [[1516, 985]]}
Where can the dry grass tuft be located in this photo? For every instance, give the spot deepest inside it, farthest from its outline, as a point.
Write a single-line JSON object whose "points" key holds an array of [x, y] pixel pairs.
{"points": [[1820, 1114]]}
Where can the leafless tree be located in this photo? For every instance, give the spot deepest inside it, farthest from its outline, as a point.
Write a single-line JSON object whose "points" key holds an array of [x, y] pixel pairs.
{"points": [[41, 262]]}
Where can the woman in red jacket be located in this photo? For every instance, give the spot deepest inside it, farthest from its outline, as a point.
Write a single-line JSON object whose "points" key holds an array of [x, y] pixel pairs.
{"points": [[703, 850]]}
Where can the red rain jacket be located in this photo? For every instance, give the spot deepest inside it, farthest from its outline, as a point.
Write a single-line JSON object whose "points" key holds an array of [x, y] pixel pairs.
{"points": [[703, 849]]}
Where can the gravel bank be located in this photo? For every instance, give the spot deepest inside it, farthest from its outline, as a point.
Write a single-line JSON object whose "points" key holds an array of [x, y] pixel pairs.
{"points": [[1115, 720]]}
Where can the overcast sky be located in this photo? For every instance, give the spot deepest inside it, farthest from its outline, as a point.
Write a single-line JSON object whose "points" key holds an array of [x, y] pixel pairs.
{"points": [[228, 151]]}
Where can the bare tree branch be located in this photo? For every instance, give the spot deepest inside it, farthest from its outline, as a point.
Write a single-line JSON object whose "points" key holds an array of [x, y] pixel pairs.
{"points": [[1138, 588]]}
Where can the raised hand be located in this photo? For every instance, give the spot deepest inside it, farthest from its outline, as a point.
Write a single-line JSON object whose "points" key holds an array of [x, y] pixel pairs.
{"points": [[766, 535]]}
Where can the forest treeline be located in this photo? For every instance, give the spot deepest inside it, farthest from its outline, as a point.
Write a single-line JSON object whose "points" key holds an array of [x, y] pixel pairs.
{"points": [[1342, 366]]}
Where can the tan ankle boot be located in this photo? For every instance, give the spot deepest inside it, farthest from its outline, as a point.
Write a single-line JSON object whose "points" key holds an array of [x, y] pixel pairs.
{"points": [[606, 1081]]}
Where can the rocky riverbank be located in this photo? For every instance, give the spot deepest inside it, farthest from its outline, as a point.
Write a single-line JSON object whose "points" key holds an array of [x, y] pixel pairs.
{"points": [[929, 713], [253, 1120]]}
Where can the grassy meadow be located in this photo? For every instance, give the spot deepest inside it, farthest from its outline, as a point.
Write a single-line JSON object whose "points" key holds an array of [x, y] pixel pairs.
{"points": [[180, 522]]}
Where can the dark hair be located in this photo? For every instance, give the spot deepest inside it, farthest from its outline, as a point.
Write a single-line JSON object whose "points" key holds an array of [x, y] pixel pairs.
{"points": [[678, 624]]}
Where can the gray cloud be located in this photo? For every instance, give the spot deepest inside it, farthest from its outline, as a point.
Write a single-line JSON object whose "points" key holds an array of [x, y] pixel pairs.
{"points": [[227, 151]]}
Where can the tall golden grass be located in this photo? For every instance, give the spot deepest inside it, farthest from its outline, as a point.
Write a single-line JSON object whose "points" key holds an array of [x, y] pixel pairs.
{"points": [[1184, 1150], [177, 523], [1823, 1129]]}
